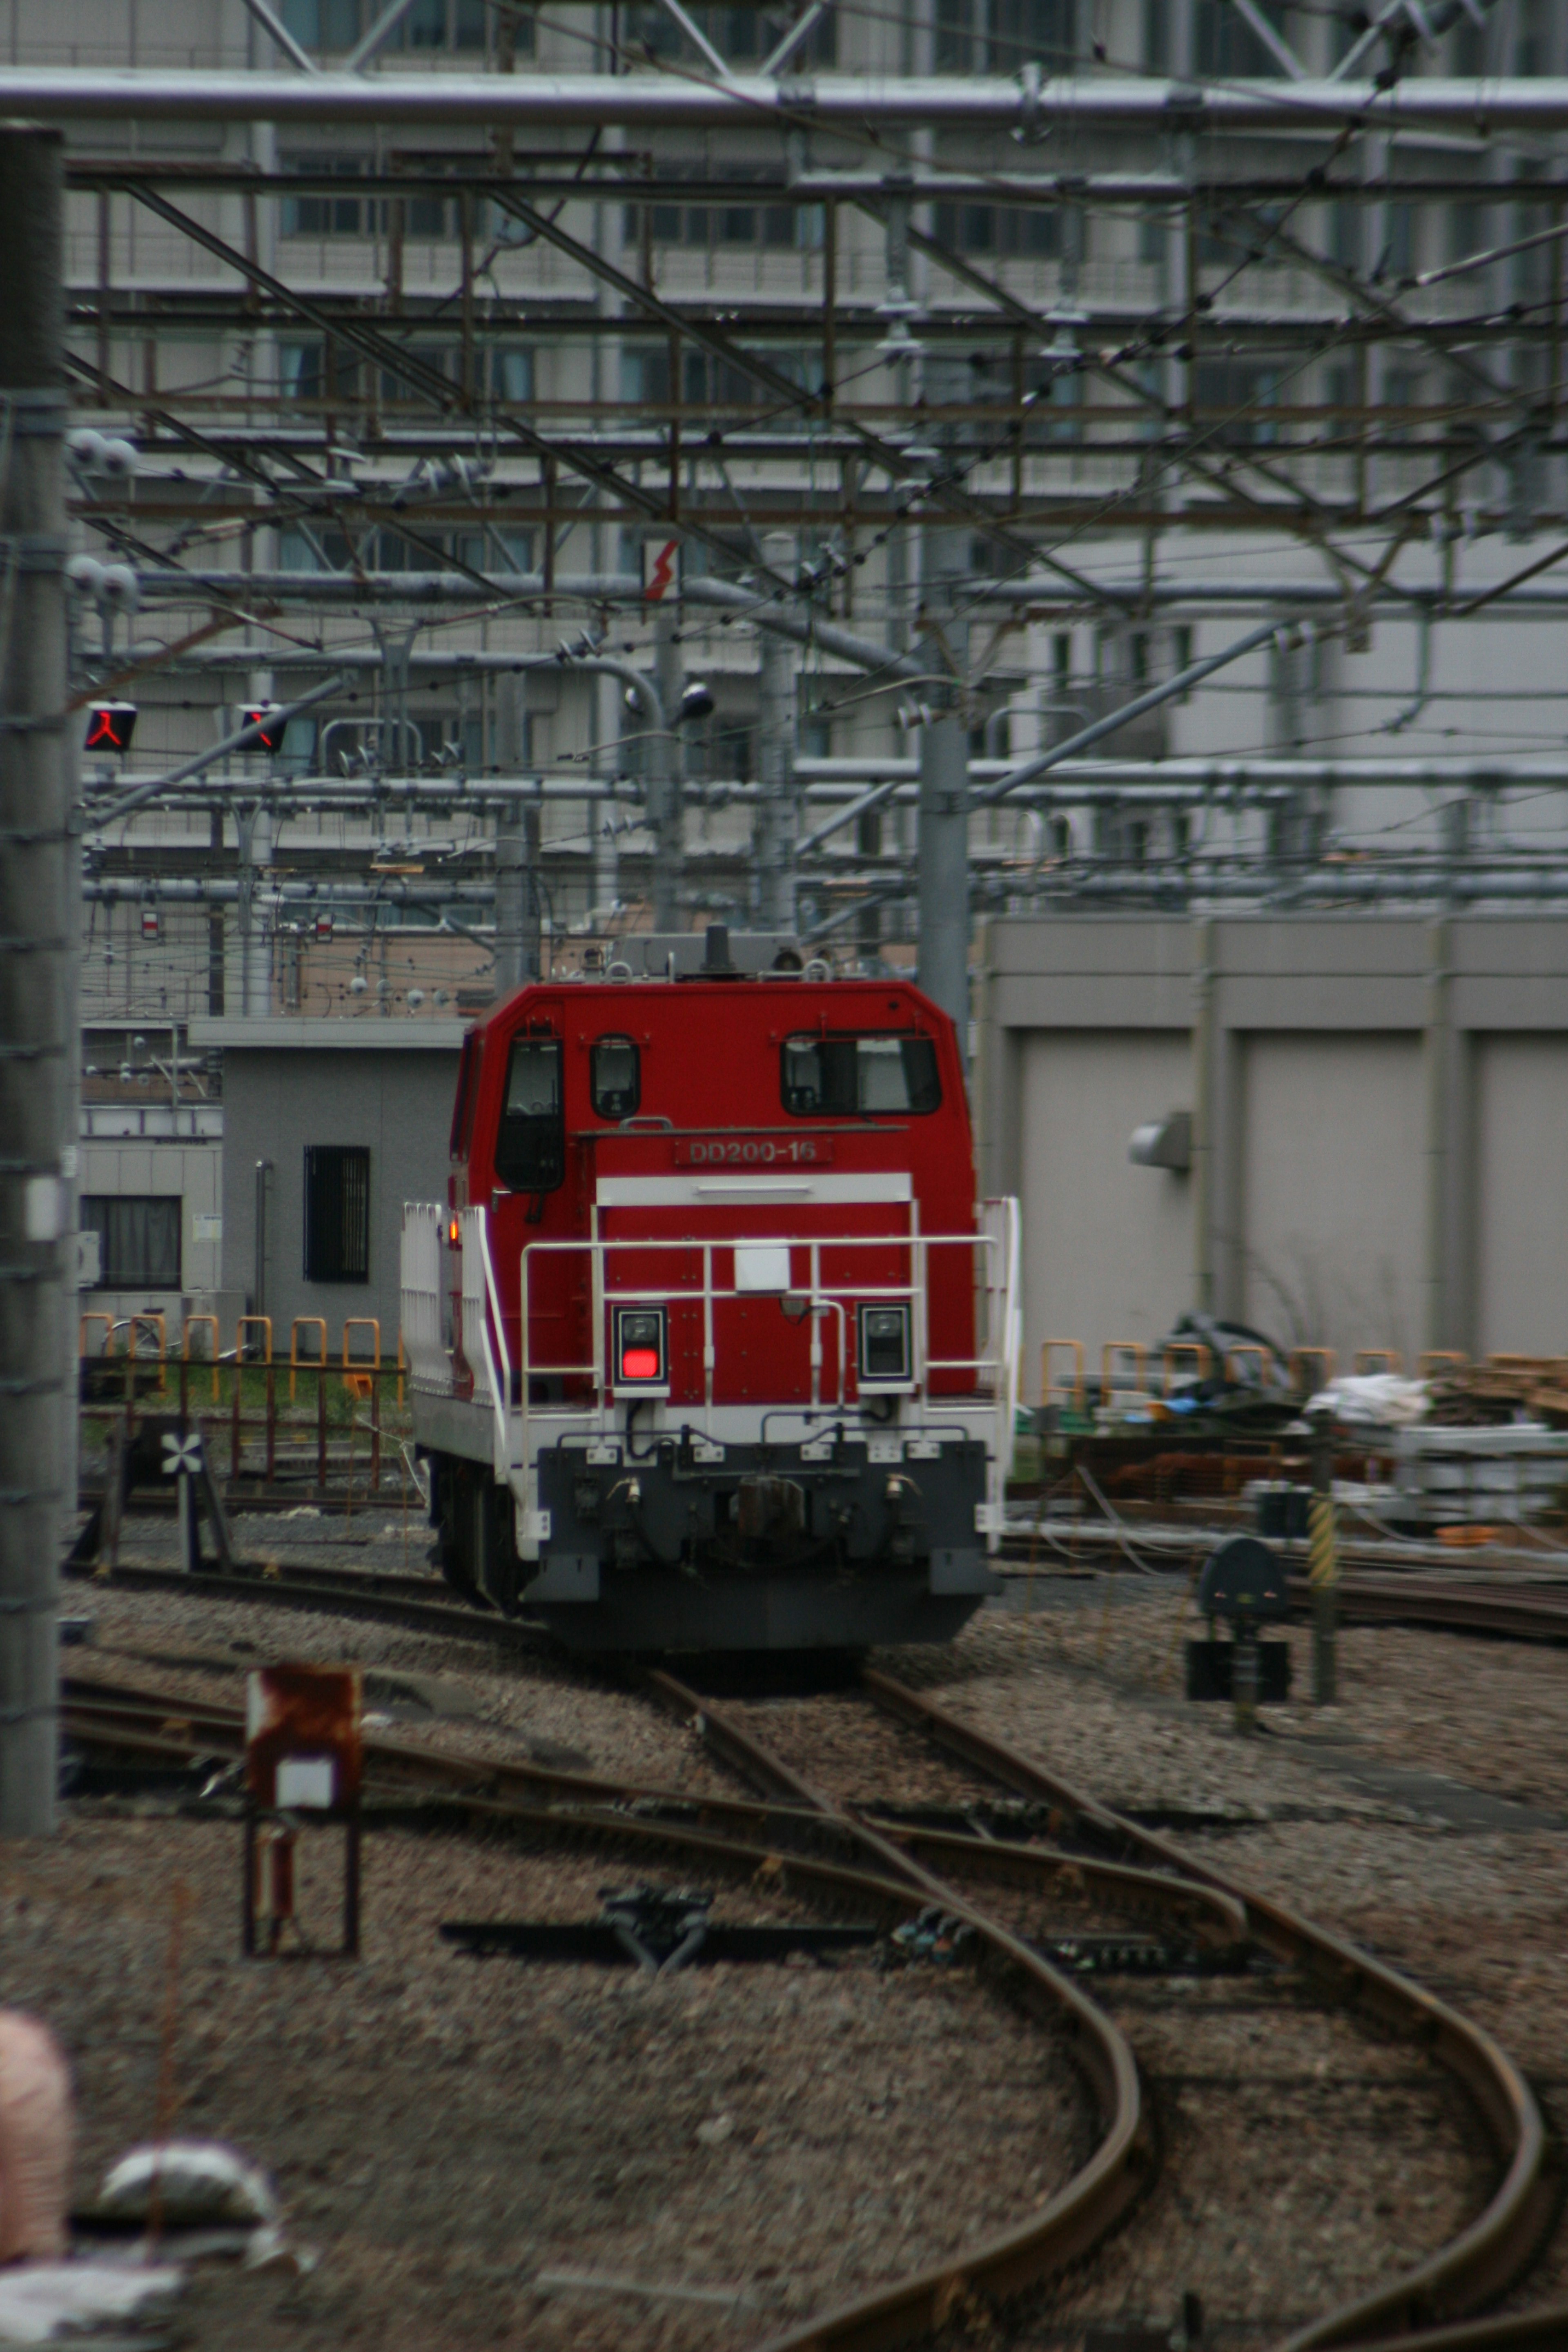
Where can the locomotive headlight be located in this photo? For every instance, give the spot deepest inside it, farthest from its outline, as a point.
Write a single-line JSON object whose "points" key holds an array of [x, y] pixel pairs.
{"points": [[883, 1354], [641, 1350]]}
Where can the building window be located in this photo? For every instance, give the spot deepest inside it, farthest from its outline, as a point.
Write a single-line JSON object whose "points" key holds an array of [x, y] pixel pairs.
{"points": [[332, 26], [337, 1212], [138, 1240], [997, 36], [1009, 232]]}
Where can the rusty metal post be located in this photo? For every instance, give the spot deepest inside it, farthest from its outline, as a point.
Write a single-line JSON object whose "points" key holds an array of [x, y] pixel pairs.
{"points": [[39, 954], [1324, 1574]]}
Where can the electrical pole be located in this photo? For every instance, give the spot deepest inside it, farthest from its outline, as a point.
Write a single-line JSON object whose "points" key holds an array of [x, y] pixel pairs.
{"points": [[520, 945], [666, 815], [39, 959], [943, 969], [778, 812]]}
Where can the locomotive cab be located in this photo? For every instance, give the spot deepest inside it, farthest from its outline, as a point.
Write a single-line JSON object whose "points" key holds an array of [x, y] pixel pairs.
{"points": [[711, 1346]]}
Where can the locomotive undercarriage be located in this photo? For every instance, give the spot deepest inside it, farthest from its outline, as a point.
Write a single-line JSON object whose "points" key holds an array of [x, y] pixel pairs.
{"points": [[845, 1538]]}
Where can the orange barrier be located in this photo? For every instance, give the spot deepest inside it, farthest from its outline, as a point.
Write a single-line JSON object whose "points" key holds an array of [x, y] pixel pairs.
{"points": [[1302, 1356], [317, 1362], [1378, 1359], [95, 1315], [263, 1323], [1435, 1356], [1197, 1347], [1247, 1348], [1114, 1347], [186, 1358], [1077, 1346], [360, 1383]]}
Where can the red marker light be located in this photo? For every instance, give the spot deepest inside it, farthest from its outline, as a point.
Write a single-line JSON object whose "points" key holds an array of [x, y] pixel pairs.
{"points": [[151, 924], [455, 1232], [263, 718], [109, 726], [323, 927], [641, 1353]]}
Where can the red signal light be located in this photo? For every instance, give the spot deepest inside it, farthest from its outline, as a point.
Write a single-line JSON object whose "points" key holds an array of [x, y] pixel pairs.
{"points": [[455, 1232], [641, 1355], [109, 726], [323, 926], [263, 717], [151, 924]]}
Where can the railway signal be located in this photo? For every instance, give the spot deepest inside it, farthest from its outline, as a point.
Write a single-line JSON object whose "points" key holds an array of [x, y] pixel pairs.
{"points": [[267, 721], [109, 726]]}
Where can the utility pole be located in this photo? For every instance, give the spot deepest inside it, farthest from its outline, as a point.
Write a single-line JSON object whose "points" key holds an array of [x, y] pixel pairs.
{"points": [[778, 810], [254, 827], [39, 961], [943, 969], [216, 923], [667, 814], [520, 945]]}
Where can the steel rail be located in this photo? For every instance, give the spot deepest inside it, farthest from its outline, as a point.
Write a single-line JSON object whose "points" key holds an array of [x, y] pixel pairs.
{"points": [[1080, 2215], [101, 1711], [1530, 1616], [1481, 2259], [1486, 2255], [319, 1590]]}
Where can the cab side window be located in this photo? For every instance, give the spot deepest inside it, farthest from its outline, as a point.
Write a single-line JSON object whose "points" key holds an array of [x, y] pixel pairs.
{"points": [[847, 1077], [531, 1147], [614, 1077]]}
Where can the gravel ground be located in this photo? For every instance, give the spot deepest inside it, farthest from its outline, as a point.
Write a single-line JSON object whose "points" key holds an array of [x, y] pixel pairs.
{"points": [[443, 2130], [1303, 2157], [1424, 1817]]}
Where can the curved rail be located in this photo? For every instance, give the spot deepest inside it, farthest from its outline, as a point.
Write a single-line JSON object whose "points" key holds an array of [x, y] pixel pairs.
{"points": [[1068, 2223], [1482, 2259]]}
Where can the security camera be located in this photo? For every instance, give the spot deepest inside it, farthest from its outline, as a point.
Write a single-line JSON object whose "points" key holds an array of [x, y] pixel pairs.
{"points": [[696, 700]]}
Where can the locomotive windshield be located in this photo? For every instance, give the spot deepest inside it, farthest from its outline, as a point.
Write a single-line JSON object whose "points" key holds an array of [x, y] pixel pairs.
{"points": [[531, 1147], [840, 1076]]}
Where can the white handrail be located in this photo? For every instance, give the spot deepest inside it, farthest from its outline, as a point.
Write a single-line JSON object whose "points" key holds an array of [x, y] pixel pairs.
{"points": [[481, 1315], [998, 1364]]}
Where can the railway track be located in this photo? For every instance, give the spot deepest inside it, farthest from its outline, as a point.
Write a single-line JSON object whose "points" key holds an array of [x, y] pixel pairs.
{"points": [[384, 1596], [841, 1854], [1514, 1611]]}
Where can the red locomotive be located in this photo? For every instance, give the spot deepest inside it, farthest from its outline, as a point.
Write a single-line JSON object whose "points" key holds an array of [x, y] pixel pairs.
{"points": [[711, 1347]]}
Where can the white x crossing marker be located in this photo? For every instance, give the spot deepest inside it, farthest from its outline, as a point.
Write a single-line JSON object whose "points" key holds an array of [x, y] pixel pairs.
{"points": [[181, 1455]]}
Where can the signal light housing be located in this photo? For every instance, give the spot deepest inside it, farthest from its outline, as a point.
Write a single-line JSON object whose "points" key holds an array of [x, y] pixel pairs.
{"points": [[640, 1358], [883, 1356], [151, 923], [323, 927], [109, 726], [263, 717]]}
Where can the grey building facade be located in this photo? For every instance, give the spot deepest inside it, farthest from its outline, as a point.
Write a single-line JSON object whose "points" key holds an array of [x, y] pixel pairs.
{"points": [[1379, 1127], [329, 1128]]}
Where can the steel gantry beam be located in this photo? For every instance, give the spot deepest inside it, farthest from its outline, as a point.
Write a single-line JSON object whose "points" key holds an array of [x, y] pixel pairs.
{"points": [[1156, 107]]}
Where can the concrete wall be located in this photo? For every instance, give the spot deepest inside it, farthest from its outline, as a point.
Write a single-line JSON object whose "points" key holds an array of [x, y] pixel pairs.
{"points": [[291, 1085], [1380, 1109], [1105, 1244]]}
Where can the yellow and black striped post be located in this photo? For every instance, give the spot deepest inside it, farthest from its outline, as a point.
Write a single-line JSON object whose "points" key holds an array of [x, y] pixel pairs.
{"points": [[1323, 1568]]}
